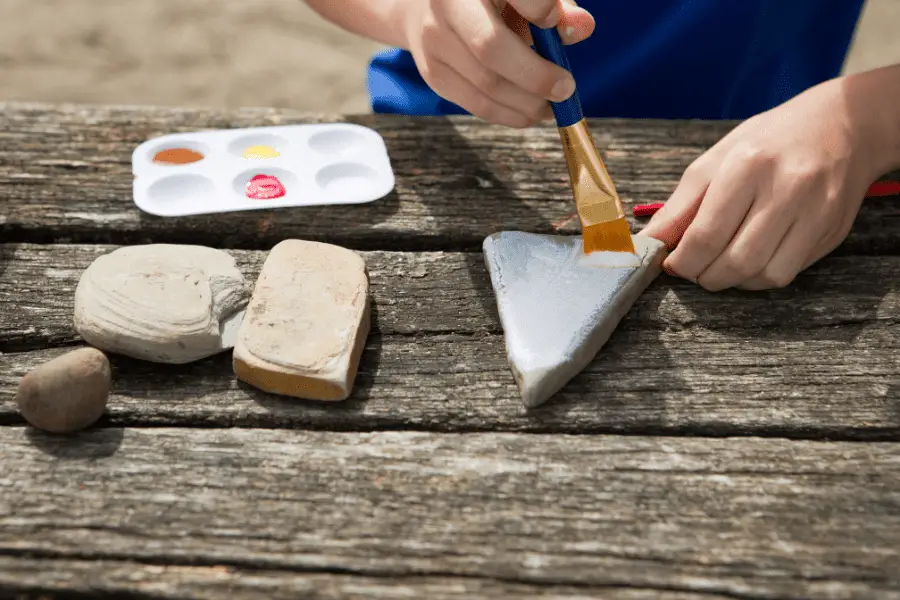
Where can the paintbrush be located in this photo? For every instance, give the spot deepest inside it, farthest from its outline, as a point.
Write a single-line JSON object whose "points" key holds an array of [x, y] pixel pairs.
{"points": [[603, 224]]}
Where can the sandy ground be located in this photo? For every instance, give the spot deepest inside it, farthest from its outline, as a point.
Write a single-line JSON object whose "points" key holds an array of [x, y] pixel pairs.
{"points": [[230, 53]]}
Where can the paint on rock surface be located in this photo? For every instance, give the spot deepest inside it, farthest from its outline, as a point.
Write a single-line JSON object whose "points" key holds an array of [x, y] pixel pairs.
{"points": [[258, 152], [557, 309], [177, 156], [265, 187]]}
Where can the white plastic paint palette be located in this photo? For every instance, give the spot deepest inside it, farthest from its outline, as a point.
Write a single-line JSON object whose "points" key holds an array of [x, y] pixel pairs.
{"points": [[318, 164]]}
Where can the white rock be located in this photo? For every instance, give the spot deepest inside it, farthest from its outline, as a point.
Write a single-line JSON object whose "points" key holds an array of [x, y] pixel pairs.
{"points": [[163, 303], [558, 309]]}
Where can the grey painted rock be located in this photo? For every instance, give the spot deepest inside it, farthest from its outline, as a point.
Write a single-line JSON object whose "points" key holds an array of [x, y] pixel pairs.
{"points": [[67, 393], [163, 303], [307, 323], [557, 306]]}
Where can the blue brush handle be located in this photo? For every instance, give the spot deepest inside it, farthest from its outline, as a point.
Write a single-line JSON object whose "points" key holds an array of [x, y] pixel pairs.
{"points": [[549, 45]]}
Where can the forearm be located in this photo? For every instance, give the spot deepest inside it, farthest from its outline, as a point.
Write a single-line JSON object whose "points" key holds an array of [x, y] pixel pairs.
{"points": [[378, 20]]}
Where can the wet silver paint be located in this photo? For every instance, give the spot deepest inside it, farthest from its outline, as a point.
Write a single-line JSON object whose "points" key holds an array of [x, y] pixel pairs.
{"points": [[556, 311]]}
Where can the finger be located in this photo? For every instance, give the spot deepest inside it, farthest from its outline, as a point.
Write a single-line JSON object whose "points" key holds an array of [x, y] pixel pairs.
{"points": [[543, 13], [672, 220], [721, 212], [842, 225], [825, 245], [750, 251], [576, 24], [822, 250], [452, 86], [517, 23], [771, 222], [498, 48], [491, 84], [788, 259]]}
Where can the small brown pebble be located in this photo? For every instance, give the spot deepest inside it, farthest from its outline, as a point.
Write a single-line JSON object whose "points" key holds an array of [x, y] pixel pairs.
{"points": [[67, 393]]}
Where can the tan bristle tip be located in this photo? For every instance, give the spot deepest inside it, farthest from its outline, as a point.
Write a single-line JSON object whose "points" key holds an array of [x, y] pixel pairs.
{"points": [[612, 236]]}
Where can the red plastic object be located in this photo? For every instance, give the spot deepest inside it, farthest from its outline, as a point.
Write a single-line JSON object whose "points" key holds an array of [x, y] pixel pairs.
{"points": [[883, 188], [646, 210], [876, 190]]}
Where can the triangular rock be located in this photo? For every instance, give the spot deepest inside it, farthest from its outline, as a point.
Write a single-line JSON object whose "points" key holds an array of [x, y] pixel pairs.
{"points": [[557, 310]]}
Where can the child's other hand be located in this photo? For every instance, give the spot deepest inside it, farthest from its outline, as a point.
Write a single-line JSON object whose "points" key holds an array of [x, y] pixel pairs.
{"points": [[476, 54], [782, 189]]}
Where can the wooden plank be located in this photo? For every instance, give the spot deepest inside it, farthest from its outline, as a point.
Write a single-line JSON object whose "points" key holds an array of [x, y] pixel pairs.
{"points": [[818, 359], [40, 578], [443, 292], [65, 175], [679, 383], [746, 518]]}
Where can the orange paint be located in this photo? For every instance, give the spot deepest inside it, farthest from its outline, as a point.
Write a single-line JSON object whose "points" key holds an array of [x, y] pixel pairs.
{"points": [[177, 156]]}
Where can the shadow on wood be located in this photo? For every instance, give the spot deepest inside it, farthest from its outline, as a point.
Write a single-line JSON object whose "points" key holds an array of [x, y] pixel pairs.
{"points": [[88, 444], [456, 164], [6, 255], [615, 410], [825, 302], [216, 376], [288, 408]]}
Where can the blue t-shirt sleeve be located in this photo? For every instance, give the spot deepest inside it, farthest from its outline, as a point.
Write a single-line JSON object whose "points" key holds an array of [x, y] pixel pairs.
{"points": [[396, 87]]}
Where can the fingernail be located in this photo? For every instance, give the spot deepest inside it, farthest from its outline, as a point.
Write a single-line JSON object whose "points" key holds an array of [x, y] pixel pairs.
{"points": [[563, 89]]}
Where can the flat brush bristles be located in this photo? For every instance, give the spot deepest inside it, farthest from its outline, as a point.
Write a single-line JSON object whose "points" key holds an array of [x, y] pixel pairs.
{"points": [[603, 223], [611, 236]]}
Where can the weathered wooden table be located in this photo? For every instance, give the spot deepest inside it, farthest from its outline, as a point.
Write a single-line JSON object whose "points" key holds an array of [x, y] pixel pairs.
{"points": [[731, 445]]}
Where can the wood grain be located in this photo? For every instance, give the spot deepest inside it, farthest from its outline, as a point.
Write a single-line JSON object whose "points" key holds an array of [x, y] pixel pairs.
{"points": [[30, 579], [673, 383], [745, 518], [65, 175]]}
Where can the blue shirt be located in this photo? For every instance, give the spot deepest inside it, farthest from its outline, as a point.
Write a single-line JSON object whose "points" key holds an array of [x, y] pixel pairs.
{"points": [[672, 59]]}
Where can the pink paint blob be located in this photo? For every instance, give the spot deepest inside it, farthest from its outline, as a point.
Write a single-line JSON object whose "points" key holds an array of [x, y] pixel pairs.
{"points": [[265, 187]]}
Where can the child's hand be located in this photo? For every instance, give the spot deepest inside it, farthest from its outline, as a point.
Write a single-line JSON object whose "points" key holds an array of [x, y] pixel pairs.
{"points": [[476, 54], [783, 188]]}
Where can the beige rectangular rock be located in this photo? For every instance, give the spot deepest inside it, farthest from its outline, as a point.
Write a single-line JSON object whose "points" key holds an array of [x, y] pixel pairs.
{"points": [[306, 323]]}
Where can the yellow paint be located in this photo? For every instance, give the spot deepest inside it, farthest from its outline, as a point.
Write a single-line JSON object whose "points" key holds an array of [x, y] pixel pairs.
{"points": [[260, 152]]}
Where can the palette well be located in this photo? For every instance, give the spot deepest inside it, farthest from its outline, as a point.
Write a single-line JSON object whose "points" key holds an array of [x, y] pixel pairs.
{"points": [[260, 168]]}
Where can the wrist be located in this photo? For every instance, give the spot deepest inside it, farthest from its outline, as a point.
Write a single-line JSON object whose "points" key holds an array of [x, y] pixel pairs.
{"points": [[403, 13], [394, 23], [871, 101]]}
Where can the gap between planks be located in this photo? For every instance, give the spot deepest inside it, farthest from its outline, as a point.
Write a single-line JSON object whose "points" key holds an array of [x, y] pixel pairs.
{"points": [[67, 578]]}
